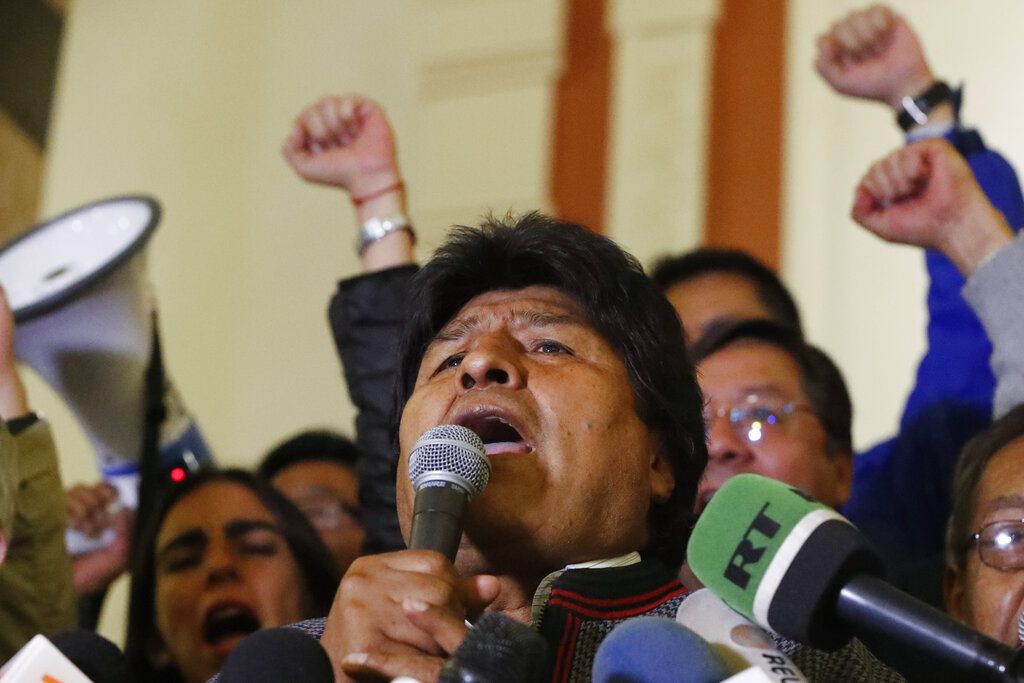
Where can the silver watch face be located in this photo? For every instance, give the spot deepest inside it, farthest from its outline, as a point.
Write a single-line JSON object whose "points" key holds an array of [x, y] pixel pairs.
{"points": [[377, 228]]}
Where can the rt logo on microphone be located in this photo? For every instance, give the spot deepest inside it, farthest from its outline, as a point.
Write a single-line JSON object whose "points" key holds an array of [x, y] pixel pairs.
{"points": [[762, 529]]}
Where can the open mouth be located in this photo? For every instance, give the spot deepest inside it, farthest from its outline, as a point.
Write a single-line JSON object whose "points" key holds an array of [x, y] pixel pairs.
{"points": [[228, 621], [497, 433]]}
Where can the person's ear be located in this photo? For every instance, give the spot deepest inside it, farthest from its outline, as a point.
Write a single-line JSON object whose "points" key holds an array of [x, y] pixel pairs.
{"points": [[3, 547], [842, 467], [954, 592], [663, 478]]}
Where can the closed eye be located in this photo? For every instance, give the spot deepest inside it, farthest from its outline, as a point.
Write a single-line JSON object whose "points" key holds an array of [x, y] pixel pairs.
{"points": [[258, 548], [180, 560]]}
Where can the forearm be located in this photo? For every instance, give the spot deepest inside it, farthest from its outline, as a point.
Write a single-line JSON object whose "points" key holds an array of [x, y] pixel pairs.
{"points": [[996, 291], [395, 249], [367, 314], [956, 365]]}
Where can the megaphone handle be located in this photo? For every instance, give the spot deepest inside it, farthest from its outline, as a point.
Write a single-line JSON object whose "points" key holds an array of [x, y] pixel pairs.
{"points": [[80, 544], [127, 485]]}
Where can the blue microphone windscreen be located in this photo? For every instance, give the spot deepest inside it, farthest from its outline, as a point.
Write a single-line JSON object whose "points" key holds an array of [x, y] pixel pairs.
{"points": [[656, 650]]}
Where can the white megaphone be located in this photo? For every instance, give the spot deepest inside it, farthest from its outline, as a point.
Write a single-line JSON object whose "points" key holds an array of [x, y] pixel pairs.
{"points": [[85, 322]]}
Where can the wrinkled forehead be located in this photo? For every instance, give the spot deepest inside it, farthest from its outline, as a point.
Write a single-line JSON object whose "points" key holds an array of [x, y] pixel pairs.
{"points": [[751, 365], [529, 301], [1000, 492], [212, 505], [535, 306]]}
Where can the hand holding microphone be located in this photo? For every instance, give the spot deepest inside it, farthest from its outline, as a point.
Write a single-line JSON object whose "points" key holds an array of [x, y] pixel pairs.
{"points": [[403, 613]]}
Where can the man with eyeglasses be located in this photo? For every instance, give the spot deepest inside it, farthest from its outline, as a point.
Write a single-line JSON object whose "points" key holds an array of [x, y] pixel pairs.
{"points": [[985, 547], [315, 470], [775, 406], [924, 195]]}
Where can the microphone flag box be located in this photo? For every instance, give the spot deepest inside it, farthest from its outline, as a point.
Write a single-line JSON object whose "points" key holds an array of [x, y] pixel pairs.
{"points": [[754, 523], [39, 661]]}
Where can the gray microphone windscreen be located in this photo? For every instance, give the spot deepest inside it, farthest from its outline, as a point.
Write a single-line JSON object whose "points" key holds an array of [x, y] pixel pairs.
{"points": [[498, 649], [450, 453]]}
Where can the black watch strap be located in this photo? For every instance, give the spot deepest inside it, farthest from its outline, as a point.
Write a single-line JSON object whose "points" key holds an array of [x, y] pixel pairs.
{"points": [[914, 110], [19, 424]]}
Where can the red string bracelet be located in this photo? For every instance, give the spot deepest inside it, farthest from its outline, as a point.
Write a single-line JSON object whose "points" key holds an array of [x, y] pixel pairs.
{"points": [[359, 201]]}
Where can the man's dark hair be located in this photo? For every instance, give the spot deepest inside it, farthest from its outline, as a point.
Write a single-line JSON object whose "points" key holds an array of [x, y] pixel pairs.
{"points": [[779, 303], [820, 379], [621, 304], [319, 572], [311, 445], [969, 469]]}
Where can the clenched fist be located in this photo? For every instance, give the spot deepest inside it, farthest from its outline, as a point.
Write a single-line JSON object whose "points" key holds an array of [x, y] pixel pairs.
{"points": [[873, 54], [346, 142], [924, 194]]}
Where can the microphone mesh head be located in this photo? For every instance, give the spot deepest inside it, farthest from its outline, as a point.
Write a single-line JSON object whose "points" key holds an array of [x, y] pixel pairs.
{"points": [[450, 453], [497, 648]]}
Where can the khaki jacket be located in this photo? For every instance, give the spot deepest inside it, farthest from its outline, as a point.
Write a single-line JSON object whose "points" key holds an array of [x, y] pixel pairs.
{"points": [[36, 593]]}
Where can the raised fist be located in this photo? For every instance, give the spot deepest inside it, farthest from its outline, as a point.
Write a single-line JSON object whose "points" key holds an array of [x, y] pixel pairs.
{"points": [[924, 194], [873, 54], [88, 510], [345, 142]]}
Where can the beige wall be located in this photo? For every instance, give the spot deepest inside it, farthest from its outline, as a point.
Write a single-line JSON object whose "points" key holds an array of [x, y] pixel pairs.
{"points": [[190, 100], [863, 299]]}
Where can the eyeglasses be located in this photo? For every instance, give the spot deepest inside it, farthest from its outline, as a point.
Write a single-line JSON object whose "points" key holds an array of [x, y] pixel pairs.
{"points": [[328, 513], [1001, 544], [754, 417]]}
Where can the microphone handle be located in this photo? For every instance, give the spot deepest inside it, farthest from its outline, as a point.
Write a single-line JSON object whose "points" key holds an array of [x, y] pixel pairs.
{"points": [[437, 518], [871, 605]]}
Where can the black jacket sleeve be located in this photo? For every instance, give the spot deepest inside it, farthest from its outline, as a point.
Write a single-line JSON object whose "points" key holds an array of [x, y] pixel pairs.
{"points": [[367, 314]]}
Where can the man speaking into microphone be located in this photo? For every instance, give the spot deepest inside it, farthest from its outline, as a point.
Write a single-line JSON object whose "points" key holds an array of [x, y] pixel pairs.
{"points": [[549, 343]]}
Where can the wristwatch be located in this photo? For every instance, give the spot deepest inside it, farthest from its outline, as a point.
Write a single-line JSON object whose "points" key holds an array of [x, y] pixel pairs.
{"points": [[914, 110], [19, 424], [378, 228]]}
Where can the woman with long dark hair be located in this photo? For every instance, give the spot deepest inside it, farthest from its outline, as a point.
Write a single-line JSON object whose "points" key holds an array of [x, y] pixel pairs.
{"points": [[224, 555]]}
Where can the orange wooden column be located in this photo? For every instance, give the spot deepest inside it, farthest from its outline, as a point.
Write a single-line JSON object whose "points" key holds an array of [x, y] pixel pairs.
{"points": [[579, 157], [744, 156], [744, 191]]}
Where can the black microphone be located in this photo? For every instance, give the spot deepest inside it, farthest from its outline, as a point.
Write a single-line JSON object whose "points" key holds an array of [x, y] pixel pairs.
{"points": [[277, 655], [448, 468], [797, 567], [497, 649], [97, 657]]}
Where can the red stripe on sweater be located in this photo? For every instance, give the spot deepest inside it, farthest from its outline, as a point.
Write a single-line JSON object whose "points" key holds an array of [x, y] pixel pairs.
{"points": [[671, 586], [615, 614], [566, 650]]}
